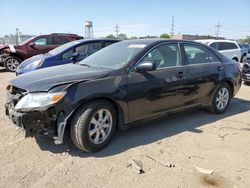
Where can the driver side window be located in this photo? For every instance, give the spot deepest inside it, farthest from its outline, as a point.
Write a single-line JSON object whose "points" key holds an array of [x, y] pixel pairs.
{"points": [[67, 54], [41, 41], [166, 55]]}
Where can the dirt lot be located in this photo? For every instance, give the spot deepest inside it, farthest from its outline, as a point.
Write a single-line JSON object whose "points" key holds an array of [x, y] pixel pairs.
{"points": [[196, 139]]}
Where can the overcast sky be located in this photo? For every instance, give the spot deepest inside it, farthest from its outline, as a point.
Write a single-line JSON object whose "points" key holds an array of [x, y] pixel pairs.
{"points": [[134, 17]]}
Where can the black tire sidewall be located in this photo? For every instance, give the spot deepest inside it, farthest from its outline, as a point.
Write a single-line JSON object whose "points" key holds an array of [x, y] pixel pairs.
{"points": [[216, 110], [85, 118]]}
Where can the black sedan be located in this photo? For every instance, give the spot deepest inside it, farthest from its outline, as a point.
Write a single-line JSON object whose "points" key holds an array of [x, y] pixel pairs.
{"points": [[121, 85]]}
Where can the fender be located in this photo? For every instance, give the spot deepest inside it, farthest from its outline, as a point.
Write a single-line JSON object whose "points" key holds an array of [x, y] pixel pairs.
{"points": [[65, 114]]}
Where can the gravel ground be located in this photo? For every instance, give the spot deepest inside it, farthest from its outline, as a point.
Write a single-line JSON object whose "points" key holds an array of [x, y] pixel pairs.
{"points": [[195, 139]]}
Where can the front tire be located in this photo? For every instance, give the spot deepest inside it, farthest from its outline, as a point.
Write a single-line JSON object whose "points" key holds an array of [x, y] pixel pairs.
{"points": [[221, 99], [93, 125], [11, 63]]}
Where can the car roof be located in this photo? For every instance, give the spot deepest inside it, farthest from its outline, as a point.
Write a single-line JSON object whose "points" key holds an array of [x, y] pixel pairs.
{"points": [[156, 41], [206, 41], [97, 39]]}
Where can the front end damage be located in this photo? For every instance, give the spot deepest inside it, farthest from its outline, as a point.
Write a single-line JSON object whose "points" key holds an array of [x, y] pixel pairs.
{"points": [[3, 56], [48, 122], [246, 72]]}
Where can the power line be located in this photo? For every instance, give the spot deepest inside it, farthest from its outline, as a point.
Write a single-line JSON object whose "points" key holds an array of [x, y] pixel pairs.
{"points": [[172, 27], [218, 29], [117, 30]]}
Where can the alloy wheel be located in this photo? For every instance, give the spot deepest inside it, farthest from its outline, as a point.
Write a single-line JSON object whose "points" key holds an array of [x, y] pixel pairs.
{"points": [[12, 64], [100, 126], [222, 98]]}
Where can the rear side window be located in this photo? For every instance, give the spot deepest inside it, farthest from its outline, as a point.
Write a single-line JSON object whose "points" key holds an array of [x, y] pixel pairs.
{"points": [[58, 41], [41, 41], [227, 46], [198, 55], [214, 45], [166, 55]]}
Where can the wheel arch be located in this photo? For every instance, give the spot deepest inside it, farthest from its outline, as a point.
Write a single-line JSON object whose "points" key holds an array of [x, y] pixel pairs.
{"points": [[116, 105], [18, 55], [230, 83]]}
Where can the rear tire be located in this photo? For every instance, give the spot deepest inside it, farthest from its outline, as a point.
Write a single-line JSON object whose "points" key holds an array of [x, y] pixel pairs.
{"points": [[221, 99], [93, 125], [11, 63]]}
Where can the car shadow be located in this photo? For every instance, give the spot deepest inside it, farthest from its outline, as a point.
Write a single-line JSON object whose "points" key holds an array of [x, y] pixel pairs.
{"points": [[3, 70], [149, 132]]}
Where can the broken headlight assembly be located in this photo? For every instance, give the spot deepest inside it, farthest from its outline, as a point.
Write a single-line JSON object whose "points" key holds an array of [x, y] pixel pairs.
{"points": [[39, 100]]}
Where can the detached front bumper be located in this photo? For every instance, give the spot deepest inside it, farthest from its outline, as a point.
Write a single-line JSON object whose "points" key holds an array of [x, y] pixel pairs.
{"points": [[33, 122]]}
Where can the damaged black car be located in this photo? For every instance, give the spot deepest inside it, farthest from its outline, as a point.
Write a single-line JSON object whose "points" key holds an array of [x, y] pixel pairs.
{"points": [[121, 85]]}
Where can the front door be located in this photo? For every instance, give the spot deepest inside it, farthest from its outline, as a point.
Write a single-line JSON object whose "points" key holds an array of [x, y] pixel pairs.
{"points": [[157, 92], [40, 46]]}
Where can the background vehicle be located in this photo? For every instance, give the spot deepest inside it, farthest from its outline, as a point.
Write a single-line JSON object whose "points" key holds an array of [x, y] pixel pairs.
{"points": [[12, 56], [71, 52], [246, 69], [128, 82], [245, 49], [229, 48]]}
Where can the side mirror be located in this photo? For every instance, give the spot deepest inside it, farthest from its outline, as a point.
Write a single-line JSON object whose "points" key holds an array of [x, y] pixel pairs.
{"points": [[32, 44], [146, 66], [74, 56]]}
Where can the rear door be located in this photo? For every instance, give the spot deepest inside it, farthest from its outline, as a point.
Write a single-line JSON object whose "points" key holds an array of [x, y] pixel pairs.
{"points": [[55, 41], [154, 93], [204, 69], [229, 49]]}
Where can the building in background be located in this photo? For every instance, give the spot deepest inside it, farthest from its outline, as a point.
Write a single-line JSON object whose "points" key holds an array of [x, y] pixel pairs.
{"points": [[13, 39], [194, 37]]}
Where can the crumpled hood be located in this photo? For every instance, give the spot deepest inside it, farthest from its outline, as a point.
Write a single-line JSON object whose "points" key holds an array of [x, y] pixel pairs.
{"points": [[45, 79]]}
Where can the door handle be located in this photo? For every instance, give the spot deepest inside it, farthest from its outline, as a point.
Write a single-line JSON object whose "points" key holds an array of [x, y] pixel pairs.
{"points": [[219, 69], [181, 74]]}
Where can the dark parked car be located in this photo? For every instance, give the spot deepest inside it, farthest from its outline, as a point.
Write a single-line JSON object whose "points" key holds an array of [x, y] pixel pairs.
{"points": [[11, 56], [246, 69], [126, 83], [71, 52]]}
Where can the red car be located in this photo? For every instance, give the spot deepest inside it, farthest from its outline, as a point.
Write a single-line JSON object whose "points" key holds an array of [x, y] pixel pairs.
{"points": [[11, 56]]}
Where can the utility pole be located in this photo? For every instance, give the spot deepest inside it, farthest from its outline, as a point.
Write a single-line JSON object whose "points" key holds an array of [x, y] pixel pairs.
{"points": [[117, 30], [172, 27], [218, 29]]}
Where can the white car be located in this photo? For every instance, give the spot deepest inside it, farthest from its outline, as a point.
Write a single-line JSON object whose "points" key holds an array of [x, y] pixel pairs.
{"points": [[229, 48]]}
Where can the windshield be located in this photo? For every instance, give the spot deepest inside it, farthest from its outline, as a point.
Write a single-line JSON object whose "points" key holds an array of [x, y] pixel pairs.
{"points": [[115, 56], [27, 40], [63, 47]]}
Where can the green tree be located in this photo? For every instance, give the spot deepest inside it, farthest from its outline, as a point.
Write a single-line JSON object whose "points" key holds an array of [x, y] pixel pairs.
{"points": [[133, 37], [110, 36], [164, 36], [122, 36]]}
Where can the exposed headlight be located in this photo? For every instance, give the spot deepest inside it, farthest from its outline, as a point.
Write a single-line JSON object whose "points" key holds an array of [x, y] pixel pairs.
{"points": [[34, 64], [39, 100]]}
